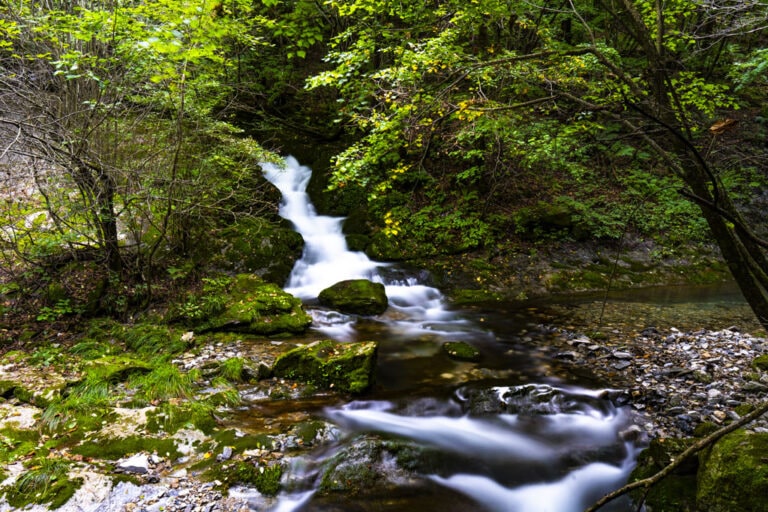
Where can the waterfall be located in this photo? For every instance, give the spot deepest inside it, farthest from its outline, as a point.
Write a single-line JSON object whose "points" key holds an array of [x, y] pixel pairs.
{"points": [[326, 260], [549, 449]]}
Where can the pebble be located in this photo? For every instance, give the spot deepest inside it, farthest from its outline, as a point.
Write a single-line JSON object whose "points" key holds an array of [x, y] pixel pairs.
{"points": [[675, 379]]}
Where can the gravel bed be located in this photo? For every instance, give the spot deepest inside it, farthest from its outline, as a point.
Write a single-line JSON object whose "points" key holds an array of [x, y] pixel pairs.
{"points": [[676, 380]]}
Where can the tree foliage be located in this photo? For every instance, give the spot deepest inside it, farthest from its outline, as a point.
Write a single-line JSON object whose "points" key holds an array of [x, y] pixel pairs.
{"points": [[115, 133], [456, 103]]}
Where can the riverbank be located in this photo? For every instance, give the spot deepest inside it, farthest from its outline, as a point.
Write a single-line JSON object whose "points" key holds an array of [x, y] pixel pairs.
{"points": [[676, 382]]}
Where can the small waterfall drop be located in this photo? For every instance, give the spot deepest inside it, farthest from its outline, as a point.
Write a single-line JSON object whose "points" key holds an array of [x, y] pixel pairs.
{"points": [[326, 260], [545, 449]]}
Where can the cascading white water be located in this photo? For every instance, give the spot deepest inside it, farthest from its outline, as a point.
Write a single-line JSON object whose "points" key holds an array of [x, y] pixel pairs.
{"points": [[327, 260], [544, 438]]}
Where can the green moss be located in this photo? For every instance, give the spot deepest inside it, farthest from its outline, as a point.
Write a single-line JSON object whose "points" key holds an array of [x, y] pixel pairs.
{"points": [[266, 479], [240, 443], [356, 296], [676, 492], [257, 307], [704, 429], [744, 409], [169, 418], [461, 351], [327, 364], [17, 443], [307, 431], [733, 474], [45, 482], [117, 448], [115, 368], [760, 363]]}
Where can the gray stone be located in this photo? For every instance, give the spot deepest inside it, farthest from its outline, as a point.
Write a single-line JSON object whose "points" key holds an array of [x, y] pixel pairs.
{"points": [[138, 464]]}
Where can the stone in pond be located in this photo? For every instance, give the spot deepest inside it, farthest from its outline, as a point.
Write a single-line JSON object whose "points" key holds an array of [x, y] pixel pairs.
{"points": [[347, 367], [355, 296]]}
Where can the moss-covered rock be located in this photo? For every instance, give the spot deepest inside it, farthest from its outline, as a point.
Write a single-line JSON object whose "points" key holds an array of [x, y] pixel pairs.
{"points": [[461, 351], [257, 246], [734, 474], [355, 296], [327, 364], [22, 377], [676, 492], [265, 478], [115, 368], [361, 468], [761, 363], [257, 307]]}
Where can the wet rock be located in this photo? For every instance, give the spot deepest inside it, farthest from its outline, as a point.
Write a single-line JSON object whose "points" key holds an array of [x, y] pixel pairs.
{"points": [[355, 296], [461, 351], [346, 367]]}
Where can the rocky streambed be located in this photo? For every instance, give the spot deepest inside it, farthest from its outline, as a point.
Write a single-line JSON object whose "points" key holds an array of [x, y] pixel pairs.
{"points": [[145, 453]]}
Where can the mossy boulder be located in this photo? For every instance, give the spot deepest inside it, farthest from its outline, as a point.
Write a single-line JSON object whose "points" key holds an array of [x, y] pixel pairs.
{"points": [[461, 351], [347, 367], [734, 475], [367, 466], [355, 296], [254, 306], [676, 492], [257, 246]]}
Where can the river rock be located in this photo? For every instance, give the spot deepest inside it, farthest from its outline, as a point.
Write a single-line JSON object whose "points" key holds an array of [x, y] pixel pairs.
{"points": [[347, 367], [254, 306], [355, 296], [461, 351]]}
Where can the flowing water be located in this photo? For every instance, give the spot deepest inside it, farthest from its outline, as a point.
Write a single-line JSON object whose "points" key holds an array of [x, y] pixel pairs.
{"points": [[499, 435]]}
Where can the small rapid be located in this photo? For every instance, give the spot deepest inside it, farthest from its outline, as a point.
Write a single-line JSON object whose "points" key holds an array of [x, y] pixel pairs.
{"points": [[484, 445]]}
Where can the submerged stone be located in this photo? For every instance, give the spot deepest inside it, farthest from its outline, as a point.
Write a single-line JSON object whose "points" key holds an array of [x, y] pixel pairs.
{"points": [[355, 296], [461, 351], [327, 364]]}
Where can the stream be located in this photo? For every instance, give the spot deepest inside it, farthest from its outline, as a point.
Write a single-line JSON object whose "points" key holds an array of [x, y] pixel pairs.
{"points": [[505, 434]]}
